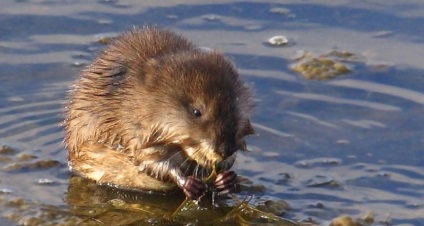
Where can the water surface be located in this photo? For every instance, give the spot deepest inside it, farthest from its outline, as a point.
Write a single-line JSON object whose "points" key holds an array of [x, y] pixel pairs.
{"points": [[348, 145]]}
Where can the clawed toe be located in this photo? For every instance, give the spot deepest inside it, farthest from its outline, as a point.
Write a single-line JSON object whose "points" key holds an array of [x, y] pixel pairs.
{"points": [[225, 182]]}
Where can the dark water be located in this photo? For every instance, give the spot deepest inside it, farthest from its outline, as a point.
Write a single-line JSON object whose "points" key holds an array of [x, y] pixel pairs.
{"points": [[348, 145]]}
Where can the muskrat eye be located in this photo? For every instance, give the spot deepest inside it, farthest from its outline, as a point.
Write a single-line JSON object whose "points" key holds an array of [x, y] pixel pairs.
{"points": [[197, 113]]}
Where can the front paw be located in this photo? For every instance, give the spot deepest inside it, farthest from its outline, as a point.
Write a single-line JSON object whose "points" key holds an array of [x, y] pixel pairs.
{"points": [[194, 188], [225, 182]]}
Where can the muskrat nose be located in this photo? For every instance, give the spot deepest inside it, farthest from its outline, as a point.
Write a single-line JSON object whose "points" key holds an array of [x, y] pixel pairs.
{"points": [[229, 151], [226, 148]]}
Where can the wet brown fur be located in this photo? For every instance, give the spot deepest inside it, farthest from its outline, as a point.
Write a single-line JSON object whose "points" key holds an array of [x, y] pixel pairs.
{"points": [[129, 119]]}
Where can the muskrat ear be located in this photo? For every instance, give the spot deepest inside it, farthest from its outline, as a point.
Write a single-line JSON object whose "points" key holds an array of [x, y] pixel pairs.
{"points": [[115, 78]]}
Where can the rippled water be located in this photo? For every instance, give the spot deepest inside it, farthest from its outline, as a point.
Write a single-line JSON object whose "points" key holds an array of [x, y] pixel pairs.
{"points": [[348, 145]]}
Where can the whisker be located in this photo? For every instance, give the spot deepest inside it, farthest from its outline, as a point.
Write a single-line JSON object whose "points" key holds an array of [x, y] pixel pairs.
{"points": [[185, 161], [188, 168], [196, 170], [174, 155], [202, 172]]}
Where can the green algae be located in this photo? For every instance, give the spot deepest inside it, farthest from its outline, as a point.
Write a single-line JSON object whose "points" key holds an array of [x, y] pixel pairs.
{"points": [[323, 67]]}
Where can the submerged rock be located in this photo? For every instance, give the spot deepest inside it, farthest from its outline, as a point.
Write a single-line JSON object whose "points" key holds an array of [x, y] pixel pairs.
{"points": [[344, 220], [277, 41], [277, 207], [7, 150], [36, 165]]}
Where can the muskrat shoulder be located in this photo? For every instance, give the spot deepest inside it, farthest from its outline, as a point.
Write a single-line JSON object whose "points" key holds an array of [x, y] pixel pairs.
{"points": [[153, 112]]}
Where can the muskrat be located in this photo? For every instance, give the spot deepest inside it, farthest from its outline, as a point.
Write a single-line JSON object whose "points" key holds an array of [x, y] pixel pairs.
{"points": [[153, 112]]}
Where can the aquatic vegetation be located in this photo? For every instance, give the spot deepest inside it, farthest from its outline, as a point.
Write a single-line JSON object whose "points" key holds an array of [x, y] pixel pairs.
{"points": [[92, 204], [324, 66]]}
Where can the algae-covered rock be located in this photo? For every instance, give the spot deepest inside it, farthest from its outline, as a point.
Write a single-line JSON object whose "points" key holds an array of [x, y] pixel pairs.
{"points": [[344, 220], [36, 165], [324, 66], [276, 207], [7, 150]]}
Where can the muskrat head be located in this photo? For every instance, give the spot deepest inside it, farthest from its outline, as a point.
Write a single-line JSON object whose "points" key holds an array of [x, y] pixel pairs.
{"points": [[199, 103]]}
